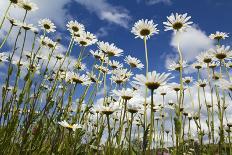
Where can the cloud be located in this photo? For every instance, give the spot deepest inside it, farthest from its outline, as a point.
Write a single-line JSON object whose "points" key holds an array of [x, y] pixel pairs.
{"points": [[153, 2], [106, 11], [57, 13], [192, 42], [102, 32]]}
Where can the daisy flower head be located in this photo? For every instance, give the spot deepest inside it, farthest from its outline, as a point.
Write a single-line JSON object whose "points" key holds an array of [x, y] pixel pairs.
{"points": [[47, 25], [86, 39], [69, 126], [187, 79], [219, 35], [125, 94], [177, 22], [97, 54], [205, 57], [77, 78], [133, 107], [176, 66], [222, 53], [109, 49], [3, 57], [109, 109], [201, 83], [153, 80], [115, 64], [25, 26], [133, 62], [197, 65], [224, 84], [144, 29], [229, 64], [27, 5], [75, 27]]}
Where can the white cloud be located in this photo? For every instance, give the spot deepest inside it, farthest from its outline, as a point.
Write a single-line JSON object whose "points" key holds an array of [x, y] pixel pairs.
{"points": [[153, 2], [108, 12], [192, 42], [57, 13]]}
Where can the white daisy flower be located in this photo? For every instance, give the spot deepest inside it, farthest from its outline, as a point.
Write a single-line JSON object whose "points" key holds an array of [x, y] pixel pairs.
{"points": [[125, 94], [178, 22], [176, 66], [109, 49], [133, 62], [144, 29], [115, 64], [187, 79], [201, 83], [222, 52], [69, 126], [86, 39], [47, 25], [153, 80], [219, 35], [77, 78], [205, 57], [27, 5], [224, 84], [3, 57], [75, 27]]}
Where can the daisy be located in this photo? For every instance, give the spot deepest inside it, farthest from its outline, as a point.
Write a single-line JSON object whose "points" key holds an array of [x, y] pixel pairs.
{"points": [[133, 107], [3, 57], [27, 5], [59, 56], [133, 62], [153, 80], [69, 126], [229, 64], [197, 65], [222, 52], [125, 94], [97, 54], [224, 84], [213, 64], [47, 25], [163, 90], [205, 57], [119, 79], [123, 72], [78, 79], [201, 83], [144, 29], [86, 39], [108, 110], [187, 79], [109, 49], [13, 21], [80, 66], [219, 35], [115, 64], [25, 26], [92, 77], [75, 27], [14, 1], [176, 66], [178, 22], [101, 68]]}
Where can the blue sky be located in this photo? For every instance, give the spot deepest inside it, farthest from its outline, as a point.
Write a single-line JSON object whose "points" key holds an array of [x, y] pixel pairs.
{"points": [[112, 21], [208, 15]]}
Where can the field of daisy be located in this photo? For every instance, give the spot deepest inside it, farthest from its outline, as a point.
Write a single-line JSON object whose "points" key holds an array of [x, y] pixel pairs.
{"points": [[50, 104]]}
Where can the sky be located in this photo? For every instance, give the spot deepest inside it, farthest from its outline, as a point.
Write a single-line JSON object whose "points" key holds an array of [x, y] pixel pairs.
{"points": [[112, 20]]}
